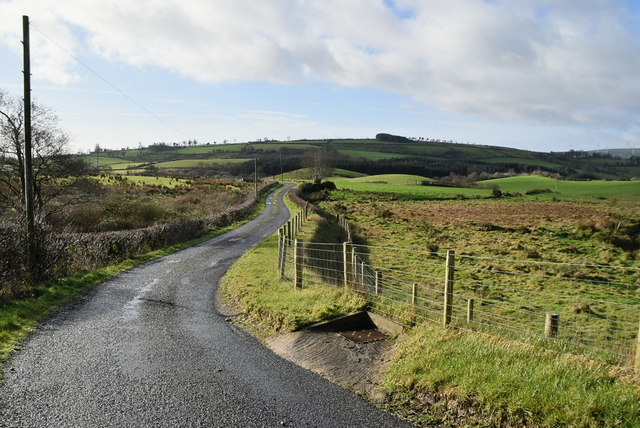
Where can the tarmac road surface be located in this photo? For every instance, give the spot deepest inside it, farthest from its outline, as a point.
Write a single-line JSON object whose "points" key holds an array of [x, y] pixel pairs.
{"points": [[149, 349]]}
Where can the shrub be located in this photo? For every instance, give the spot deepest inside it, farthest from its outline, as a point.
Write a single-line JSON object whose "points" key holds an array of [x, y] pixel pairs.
{"points": [[62, 254]]}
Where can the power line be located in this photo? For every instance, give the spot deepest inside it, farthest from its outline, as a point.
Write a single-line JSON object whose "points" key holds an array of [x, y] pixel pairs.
{"points": [[107, 81]]}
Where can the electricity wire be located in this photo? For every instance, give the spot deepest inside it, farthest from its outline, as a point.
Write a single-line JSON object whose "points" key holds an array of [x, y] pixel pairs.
{"points": [[114, 87]]}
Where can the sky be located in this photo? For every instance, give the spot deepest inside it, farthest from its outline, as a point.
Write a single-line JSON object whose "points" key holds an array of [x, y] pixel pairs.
{"points": [[543, 75]]}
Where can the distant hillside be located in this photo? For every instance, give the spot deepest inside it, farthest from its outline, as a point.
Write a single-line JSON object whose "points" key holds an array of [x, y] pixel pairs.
{"points": [[621, 153], [432, 159]]}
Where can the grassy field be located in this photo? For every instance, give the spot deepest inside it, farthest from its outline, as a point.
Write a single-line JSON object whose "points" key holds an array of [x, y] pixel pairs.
{"points": [[407, 187], [371, 155], [197, 163], [563, 189], [520, 259], [405, 191], [141, 180], [208, 149], [123, 166], [107, 161], [305, 174], [280, 145], [395, 179]]}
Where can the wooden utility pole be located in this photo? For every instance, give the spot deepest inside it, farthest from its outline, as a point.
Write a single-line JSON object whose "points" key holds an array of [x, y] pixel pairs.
{"points": [[28, 166], [255, 175]]}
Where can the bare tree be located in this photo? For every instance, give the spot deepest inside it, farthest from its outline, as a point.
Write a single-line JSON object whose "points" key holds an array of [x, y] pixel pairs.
{"points": [[320, 163], [50, 161]]}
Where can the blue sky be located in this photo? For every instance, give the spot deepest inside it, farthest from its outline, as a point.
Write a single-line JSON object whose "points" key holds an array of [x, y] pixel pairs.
{"points": [[545, 75]]}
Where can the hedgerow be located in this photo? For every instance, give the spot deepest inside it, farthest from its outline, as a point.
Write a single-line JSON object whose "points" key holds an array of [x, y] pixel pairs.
{"points": [[60, 254]]}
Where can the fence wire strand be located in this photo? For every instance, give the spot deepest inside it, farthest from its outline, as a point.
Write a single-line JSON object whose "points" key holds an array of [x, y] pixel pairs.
{"points": [[504, 300]]}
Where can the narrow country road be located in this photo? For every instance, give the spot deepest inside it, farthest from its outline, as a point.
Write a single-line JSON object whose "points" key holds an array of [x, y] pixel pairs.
{"points": [[149, 349]]}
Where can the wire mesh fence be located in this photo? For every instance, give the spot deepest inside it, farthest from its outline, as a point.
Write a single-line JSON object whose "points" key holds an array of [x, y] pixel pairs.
{"points": [[580, 308]]}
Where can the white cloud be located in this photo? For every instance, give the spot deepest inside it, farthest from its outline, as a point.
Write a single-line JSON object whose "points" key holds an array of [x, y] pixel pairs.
{"points": [[560, 61], [50, 62]]}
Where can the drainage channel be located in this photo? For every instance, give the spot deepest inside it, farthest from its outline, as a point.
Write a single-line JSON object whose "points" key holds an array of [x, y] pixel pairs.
{"points": [[359, 327]]}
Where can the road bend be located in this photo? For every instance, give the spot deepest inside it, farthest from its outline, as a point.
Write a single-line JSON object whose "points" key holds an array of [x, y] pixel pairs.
{"points": [[148, 348]]}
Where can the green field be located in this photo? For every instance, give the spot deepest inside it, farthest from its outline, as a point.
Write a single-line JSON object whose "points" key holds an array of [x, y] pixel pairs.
{"points": [[124, 166], [208, 149], [141, 180], [588, 190], [305, 174], [520, 161], [408, 187], [343, 173], [396, 179], [107, 161], [580, 229], [279, 145], [371, 155], [386, 184], [198, 163]]}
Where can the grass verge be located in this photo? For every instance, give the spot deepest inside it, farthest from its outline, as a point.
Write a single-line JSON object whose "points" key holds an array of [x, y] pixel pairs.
{"points": [[449, 377], [19, 317], [269, 305]]}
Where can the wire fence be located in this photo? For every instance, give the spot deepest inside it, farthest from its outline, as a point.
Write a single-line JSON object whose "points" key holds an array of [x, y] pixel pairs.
{"points": [[591, 310]]}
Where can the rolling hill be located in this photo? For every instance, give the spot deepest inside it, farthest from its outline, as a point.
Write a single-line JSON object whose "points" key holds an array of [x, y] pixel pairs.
{"points": [[366, 156]]}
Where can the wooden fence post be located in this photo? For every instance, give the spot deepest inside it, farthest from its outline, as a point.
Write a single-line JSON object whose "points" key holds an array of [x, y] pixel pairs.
{"points": [[283, 254], [354, 267], [378, 283], [637, 362], [469, 310], [345, 263], [448, 288], [414, 294], [551, 324], [362, 274], [280, 248], [299, 259], [289, 234]]}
